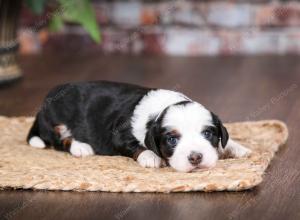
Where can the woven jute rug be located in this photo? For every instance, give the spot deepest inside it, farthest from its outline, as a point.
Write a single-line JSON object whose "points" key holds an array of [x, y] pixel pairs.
{"points": [[22, 166]]}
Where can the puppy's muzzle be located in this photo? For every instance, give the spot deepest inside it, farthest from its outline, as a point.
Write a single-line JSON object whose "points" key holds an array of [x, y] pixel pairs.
{"points": [[195, 158]]}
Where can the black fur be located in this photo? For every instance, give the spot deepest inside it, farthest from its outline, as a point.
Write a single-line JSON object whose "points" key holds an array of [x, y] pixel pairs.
{"points": [[221, 132], [97, 113], [152, 137]]}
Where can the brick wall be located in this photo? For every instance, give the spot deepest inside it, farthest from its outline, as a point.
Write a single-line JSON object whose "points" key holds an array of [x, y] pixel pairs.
{"points": [[183, 27]]}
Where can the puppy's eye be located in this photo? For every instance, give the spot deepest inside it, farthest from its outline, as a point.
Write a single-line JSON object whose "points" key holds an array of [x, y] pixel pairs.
{"points": [[172, 141], [207, 134]]}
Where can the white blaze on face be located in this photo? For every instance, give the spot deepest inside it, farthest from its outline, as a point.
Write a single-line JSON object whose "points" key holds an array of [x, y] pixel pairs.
{"points": [[189, 120]]}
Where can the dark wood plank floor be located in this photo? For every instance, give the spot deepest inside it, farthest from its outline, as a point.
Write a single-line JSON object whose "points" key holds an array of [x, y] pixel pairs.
{"points": [[237, 88]]}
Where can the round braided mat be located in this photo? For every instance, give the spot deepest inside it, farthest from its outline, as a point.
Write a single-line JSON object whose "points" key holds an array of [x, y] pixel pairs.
{"points": [[22, 166]]}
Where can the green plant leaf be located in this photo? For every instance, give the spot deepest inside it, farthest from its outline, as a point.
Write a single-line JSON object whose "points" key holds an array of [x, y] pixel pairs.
{"points": [[81, 12], [56, 23], [37, 6]]}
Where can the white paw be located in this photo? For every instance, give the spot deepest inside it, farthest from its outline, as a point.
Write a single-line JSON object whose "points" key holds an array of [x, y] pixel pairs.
{"points": [[149, 159], [37, 142], [79, 149], [237, 150], [242, 152]]}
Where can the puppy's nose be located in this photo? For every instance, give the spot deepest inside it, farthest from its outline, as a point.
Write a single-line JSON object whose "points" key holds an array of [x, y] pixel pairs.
{"points": [[195, 158]]}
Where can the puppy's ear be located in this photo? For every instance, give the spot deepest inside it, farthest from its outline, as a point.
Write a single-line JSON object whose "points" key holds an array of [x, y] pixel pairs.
{"points": [[223, 134], [151, 138]]}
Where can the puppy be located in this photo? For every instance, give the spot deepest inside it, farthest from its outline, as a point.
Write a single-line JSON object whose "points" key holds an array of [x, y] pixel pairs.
{"points": [[152, 126]]}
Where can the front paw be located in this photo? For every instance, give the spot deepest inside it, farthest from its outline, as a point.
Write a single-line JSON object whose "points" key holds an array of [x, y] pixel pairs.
{"points": [[149, 159], [79, 149], [242, 152]]}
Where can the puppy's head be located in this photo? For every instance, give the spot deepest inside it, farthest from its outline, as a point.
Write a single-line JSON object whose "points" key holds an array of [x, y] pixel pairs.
{"points": [[187, 136]]}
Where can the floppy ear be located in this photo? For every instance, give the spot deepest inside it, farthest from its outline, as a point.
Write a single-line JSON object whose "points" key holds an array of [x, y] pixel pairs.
{"points": [[222, 130], [224, 135], [150, 139]]}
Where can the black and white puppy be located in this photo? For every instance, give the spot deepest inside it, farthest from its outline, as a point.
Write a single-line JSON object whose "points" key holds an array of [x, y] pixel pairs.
{"points": [[152, 126]]}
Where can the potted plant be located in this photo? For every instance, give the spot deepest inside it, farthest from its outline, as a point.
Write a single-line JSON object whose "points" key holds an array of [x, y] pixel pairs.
{"points": [[60, 12], [9, 12]]}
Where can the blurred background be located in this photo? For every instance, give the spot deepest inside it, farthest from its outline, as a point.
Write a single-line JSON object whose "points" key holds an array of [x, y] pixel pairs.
{"points": [[184, 27], [214, 47]]}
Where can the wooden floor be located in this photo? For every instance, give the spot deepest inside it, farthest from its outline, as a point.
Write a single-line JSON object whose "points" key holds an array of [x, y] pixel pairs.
{"points": [[236, 88]]}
